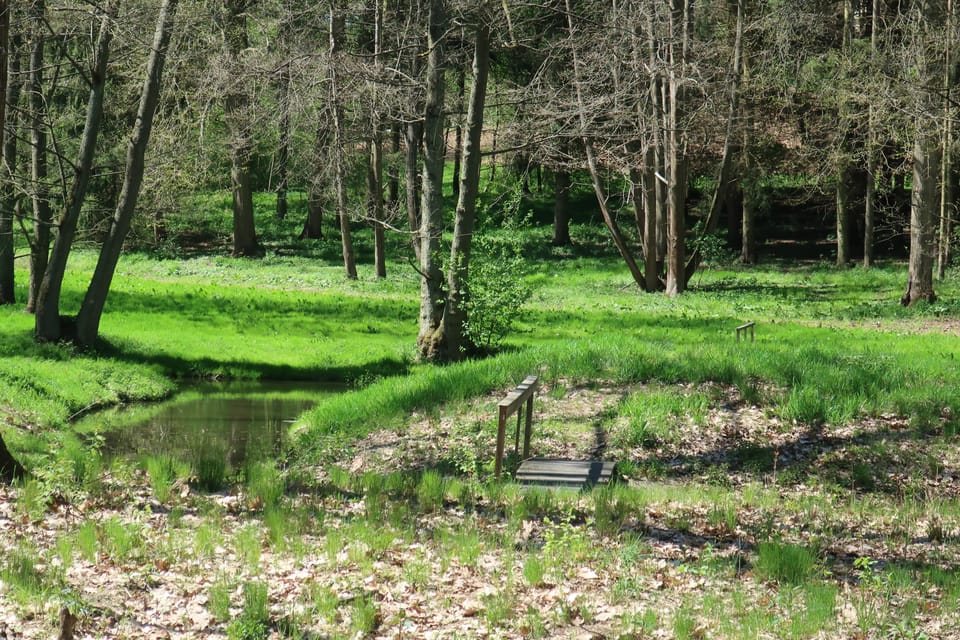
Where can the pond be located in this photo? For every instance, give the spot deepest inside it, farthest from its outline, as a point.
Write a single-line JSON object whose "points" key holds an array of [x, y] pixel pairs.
{"points": [[237, 422]]}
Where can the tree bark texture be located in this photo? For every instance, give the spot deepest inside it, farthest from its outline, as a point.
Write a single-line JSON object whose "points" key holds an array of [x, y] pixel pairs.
{"points": [[236, 113], [431, 209], [42, 219], [91, 310], [339, 145], [8, 194], [48, 326], [413, 136], [561, 208], [924, 207], [844, 215], [283, 148], [455, 343], [612, 227]]}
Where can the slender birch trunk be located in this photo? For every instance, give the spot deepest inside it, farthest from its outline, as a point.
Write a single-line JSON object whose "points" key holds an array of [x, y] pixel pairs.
{"points": [[48, 327], [337, 27], [91, 310]]}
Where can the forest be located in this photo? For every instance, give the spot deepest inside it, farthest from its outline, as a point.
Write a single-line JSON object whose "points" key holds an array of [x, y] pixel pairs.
{"points": [[328, 238]]}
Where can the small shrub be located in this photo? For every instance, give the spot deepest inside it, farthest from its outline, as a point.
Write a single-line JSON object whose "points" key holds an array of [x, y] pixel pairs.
{"points": [[495, 296]]}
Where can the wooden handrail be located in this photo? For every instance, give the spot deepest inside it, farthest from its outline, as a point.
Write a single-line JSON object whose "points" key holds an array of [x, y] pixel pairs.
{"points": [[507, 407], [745, 329]]}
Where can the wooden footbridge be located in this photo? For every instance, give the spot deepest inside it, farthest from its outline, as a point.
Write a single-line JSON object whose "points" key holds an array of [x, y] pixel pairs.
{"points": [[541, 471]]}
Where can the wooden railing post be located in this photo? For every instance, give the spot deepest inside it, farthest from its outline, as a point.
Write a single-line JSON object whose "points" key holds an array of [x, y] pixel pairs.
{"points": [[523, 394]]}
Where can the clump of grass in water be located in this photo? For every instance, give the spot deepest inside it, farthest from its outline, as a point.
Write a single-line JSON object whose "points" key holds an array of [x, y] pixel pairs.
{"points": [[785, 562]]}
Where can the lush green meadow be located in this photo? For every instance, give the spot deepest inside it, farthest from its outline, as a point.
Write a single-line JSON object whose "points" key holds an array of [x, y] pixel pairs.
{"points": [[803, 485]]}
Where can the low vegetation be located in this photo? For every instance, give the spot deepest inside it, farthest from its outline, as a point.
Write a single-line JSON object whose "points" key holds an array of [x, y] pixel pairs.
{"points": [[804, 485]]}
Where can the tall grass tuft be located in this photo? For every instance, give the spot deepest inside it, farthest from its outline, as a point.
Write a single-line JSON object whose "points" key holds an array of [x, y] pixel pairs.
{"points": [[264, 484], [163, 471], [431, 491], [785, 562]]}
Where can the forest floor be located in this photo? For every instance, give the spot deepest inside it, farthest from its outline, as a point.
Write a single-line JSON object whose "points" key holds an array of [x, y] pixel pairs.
{"points": [[729, 523]]}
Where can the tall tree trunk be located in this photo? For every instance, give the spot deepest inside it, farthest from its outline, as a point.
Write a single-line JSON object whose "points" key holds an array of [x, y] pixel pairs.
{"points": [[283, 150], [561, 208], [91, 310], [748, 251], [924, 204], [236, 113], [612, 227], [413, 139], [946, 193], [455, 343], [42, 219], [313, 225], [375, 191], [677, 189], [375, 168], [431, 210], [870, 195], [337, 27], [649, 184], [48, 326], [458, 130], [393, 171], [725, 179], [8, 194], [844, 217]]}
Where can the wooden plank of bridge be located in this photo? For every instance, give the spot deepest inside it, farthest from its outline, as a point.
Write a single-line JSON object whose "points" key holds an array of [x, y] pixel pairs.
{"points": [[566, 473]]}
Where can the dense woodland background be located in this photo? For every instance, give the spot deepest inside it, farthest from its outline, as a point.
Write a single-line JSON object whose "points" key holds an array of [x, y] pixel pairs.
{"points": [[697, 125]]}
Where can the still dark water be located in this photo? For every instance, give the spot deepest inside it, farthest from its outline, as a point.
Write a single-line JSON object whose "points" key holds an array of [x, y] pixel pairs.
{"points": [[243, 422]]}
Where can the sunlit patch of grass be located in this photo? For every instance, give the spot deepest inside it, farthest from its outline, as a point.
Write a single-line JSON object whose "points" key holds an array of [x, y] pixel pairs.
{"points": [[654, 415]]}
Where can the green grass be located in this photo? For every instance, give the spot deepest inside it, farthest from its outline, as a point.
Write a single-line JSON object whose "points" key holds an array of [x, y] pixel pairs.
{"points": [[831, 347]]}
